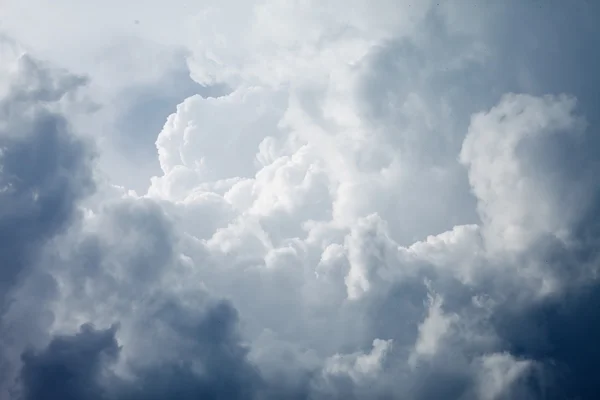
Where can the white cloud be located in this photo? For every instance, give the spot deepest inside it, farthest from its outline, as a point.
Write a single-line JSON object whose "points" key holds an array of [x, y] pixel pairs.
{"points": [[432, 330], [276, 42], [499, 371], [359, 366], [359, 150], [519, 200]]}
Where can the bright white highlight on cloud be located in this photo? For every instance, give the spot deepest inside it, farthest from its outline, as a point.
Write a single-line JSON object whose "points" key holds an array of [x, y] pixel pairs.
{"points": [[346, 200], [517, 202]]}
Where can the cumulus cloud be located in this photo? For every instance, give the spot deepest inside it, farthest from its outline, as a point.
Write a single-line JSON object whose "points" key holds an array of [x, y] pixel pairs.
{"points": [[519, 202], [384, 200]]}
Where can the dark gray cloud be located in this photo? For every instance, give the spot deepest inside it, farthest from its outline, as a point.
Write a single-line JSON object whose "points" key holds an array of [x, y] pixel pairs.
{"points": [[44, 168], [77, 367], [560, 332], [216, 350], [71, 367], [44, 171], [551, 48]]}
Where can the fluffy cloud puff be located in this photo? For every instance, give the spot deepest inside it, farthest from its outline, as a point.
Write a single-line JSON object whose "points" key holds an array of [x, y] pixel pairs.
{"points": [[380, 206]]}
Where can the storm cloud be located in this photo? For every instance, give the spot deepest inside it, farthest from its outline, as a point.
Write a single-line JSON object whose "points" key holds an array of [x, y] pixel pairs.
{"points": [[355, 200]]}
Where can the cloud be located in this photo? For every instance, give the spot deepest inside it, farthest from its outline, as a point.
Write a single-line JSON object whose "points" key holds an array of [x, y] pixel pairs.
{"points": [[78, 366], [517, 202], [70, 367], [45, 168], [388, 200], [44, 171]]}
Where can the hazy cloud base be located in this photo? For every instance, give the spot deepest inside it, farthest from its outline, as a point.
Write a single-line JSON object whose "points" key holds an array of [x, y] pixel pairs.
{"points": [[389, 200]]}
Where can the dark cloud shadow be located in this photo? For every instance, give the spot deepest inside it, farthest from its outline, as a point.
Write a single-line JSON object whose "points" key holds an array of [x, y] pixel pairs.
{"points": [[78, 367]]}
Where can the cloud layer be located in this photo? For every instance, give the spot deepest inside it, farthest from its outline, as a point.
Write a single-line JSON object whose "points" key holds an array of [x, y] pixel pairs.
{"points": [[393, 200]]}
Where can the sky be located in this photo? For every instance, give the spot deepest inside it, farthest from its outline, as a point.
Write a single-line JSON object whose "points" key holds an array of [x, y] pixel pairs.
{"points": [[299, 199]]}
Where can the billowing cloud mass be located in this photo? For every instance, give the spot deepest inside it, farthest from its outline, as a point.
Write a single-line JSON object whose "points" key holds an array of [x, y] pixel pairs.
{"points": [[301, 200]]}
